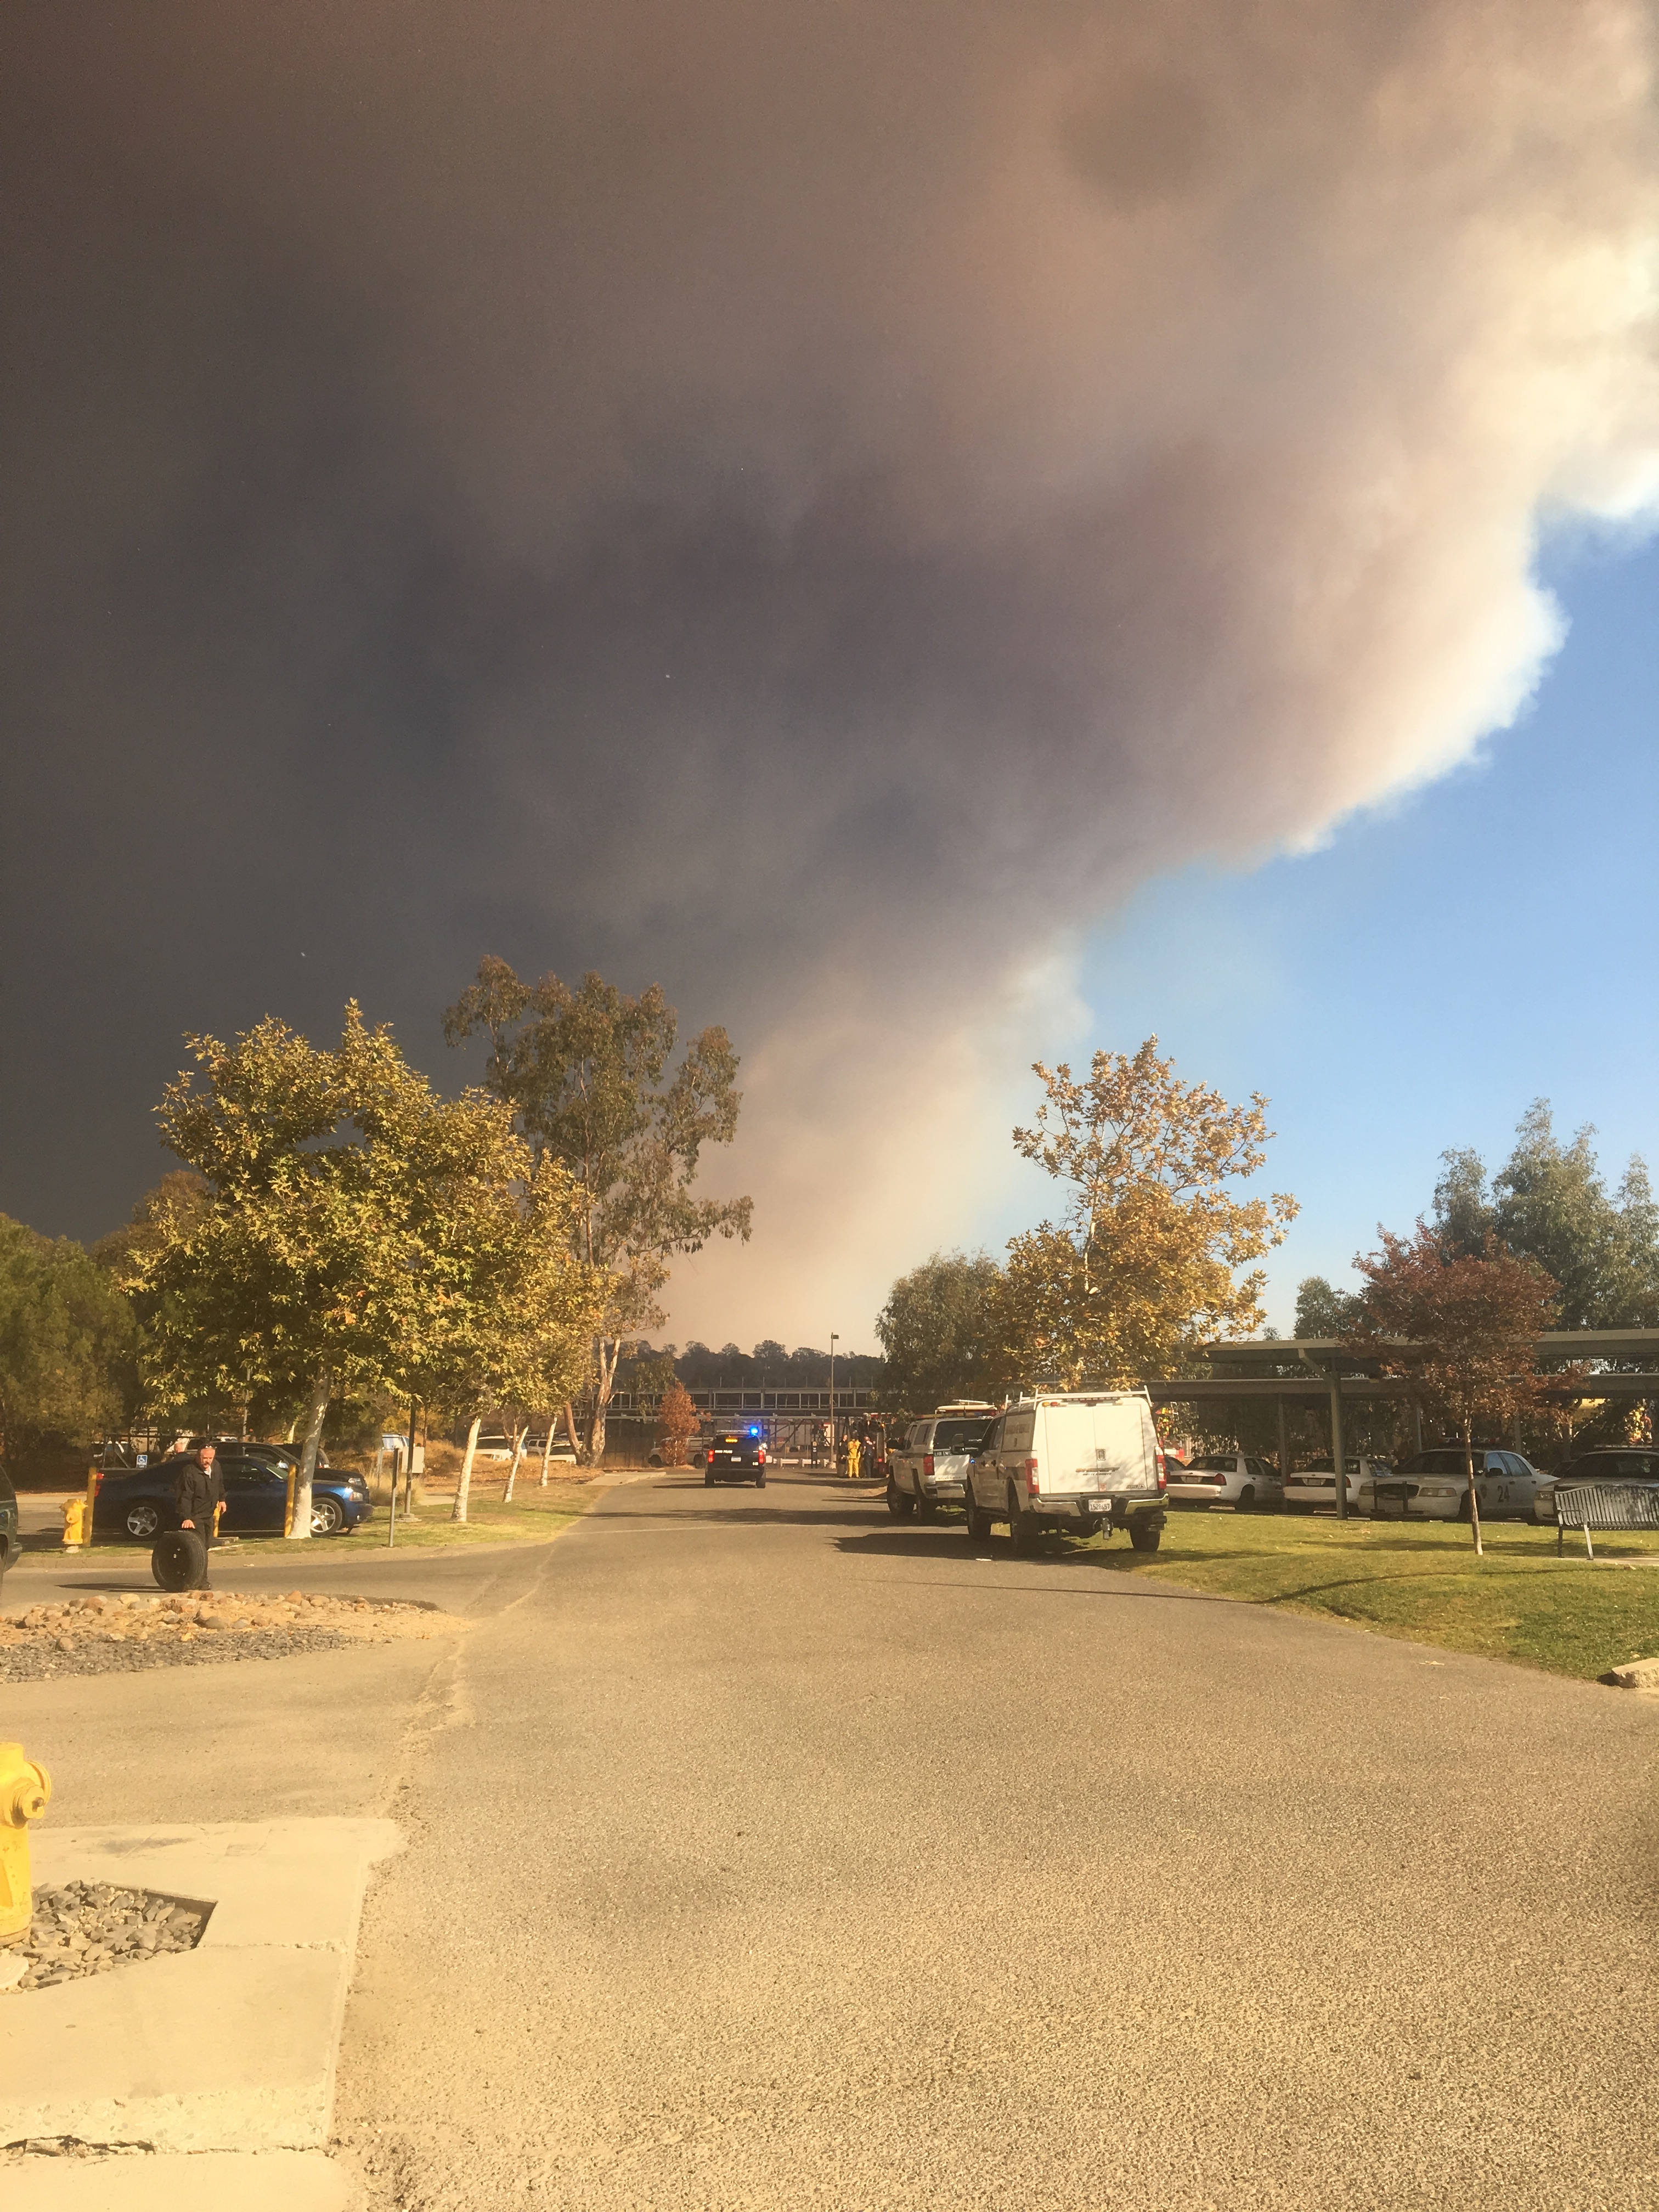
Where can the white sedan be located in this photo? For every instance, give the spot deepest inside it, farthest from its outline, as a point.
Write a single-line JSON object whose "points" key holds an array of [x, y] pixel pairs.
{"points": [[1315, 1484], [1433, 1485], [1225, 1479]]}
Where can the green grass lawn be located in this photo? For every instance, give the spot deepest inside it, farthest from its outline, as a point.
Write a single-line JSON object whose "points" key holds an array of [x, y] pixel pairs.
{"points": [[1422, 1581]]}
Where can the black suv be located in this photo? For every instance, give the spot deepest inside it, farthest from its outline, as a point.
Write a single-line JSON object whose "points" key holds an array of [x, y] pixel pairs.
{"points": [[735, 1455]]}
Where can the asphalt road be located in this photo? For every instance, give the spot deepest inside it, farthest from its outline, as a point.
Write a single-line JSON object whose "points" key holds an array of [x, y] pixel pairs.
{"points": [[763, 1853]]}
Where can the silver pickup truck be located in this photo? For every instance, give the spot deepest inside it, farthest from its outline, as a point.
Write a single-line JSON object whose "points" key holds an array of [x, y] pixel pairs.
{"points": [[927, 1470]]}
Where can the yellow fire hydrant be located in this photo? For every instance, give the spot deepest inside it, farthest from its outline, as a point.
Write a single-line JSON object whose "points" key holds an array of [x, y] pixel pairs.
{"points": [[24, 1791], [75, 1523]]}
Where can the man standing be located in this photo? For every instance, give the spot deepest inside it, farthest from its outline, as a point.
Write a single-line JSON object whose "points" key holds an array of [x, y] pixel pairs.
{"points": [[199, 1489]]}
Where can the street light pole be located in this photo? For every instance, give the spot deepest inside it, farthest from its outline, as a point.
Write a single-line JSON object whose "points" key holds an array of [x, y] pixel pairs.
{"points": [[835, 1339]]}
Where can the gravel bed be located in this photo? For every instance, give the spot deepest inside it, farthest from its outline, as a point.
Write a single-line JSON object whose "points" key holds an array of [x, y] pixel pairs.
{"points": [[99, 1635], [92, 1927]]}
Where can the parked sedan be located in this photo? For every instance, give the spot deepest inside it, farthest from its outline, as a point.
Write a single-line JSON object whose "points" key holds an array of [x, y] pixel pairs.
{"points": [[1315, 1484], [139, 1504], [1633, 1464], [1233, 1479], [1433, 1485]]}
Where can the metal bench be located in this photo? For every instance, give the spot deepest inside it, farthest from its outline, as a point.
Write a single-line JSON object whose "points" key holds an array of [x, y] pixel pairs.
{"points": [[1607, 1506]]}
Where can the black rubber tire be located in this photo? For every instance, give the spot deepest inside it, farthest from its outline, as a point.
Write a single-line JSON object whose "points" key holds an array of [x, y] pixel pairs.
{"points": [[760, 1482], [708, 1479], [1143, 1540], [1022, 1531], [179, 1561], [142, 1521], [327, 1517], [926, 1507], [978, 1520], [1246, 1499]]}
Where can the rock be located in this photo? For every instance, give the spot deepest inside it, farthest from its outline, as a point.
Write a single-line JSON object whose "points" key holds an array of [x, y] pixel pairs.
{"points": [[1634, 1674]]}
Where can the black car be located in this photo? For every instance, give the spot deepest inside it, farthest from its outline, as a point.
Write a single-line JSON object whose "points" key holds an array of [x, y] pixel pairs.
{"points": [[139, 1504], [735, 1455], [10, 1542]]}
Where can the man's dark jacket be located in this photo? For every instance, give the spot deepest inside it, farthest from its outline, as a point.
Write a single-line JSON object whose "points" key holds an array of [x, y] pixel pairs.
{"points": [[195, 1490]]}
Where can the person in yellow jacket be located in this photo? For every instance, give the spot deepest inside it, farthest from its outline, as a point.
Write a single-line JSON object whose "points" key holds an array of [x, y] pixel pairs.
{"points": [[854, 1452]]}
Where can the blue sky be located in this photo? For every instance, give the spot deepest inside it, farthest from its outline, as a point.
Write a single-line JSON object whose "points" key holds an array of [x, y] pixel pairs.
{"points": [[1441, 962]]}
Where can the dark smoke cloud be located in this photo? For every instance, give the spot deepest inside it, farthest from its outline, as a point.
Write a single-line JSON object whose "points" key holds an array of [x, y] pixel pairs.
{"points": [[809, 504]]}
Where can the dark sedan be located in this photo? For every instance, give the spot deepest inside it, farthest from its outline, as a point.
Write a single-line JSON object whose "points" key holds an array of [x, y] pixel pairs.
{"points": [[735, 1455], [139, 1504], [1637, 1464]]}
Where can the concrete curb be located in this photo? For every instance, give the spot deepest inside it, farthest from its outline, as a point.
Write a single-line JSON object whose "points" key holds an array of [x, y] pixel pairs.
{"points": [[244, 2181], [228, 2047]]}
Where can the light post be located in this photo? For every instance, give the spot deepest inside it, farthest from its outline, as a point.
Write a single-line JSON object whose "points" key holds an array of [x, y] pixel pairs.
{"points": [[835, 1339]]}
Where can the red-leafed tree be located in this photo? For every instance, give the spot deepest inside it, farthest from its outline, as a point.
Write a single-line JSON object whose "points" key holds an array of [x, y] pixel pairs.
{"points": [[1463, 1329], [676, 1418]]}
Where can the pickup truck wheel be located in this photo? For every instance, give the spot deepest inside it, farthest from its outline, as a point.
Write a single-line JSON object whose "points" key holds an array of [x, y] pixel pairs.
{"points": [[926, 1507], [900, 1505], [142, 1521], [979, 1521], [1144, 1539], [1022, 1531]]}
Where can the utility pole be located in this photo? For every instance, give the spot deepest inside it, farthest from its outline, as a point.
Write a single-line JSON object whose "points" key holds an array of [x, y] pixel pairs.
{"points": [[835, 1339]]}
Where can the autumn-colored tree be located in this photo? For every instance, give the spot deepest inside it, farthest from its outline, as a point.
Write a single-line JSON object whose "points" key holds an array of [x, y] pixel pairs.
{"points": [[583, 1071], [1462, 1329], [676, 1419], [1143, 1265]]}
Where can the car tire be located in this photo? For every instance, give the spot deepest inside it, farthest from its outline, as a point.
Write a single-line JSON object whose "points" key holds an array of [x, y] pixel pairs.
{"points": [[1143, 1539], [1246, 1499], [142, 1521], [926, 1507], [979, 1521], [1021, 1530], [179, 1561], [900, 1503], [760, 1482], [708, 1479], [327, 1517]]}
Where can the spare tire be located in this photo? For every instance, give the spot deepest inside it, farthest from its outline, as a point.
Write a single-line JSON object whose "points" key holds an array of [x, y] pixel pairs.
{"points": [[179, 1561]]}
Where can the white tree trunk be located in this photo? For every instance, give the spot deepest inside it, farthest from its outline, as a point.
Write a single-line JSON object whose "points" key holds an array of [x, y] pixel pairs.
{"points": [[513, 1469], [311, 1423], [463, 1488], [547, 1446]]}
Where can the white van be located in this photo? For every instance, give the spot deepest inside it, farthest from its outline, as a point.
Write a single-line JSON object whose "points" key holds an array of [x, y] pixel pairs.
{"points": [[1076, 1460]]}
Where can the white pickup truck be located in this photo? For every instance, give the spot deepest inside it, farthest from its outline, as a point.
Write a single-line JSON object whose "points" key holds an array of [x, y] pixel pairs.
{"points": [[927, 1470], [1073, 1460]]}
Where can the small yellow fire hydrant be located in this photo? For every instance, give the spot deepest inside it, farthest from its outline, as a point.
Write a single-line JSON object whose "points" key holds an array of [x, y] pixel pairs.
{"points": [[75, 1523], [24, 1789]]}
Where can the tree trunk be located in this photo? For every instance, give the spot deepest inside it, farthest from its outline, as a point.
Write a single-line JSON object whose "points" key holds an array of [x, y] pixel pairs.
{"points": [[513, 1469], [547, 1446], [311, 1423], [604, 1381], [1475, 1501], [463, 1488], [571, 1431]]}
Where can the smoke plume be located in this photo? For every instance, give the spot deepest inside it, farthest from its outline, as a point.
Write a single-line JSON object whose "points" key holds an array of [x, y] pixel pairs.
{"points": [[809, 504]]}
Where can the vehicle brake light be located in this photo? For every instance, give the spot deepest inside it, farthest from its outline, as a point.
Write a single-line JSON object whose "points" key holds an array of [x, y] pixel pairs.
{"points": [[761, 1455], [711, 1458], [927, 1466], [1030, 1478]]}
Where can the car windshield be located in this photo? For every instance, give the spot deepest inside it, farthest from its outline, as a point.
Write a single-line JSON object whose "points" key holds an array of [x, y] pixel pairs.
{"points": [[959, 1436]]}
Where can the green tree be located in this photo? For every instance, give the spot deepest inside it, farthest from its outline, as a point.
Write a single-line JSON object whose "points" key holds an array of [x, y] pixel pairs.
{"points": [[66, 1342], [936, 1331], [1461, 1327], [585, 1073], [360, 1232], [1323, 1310], [1550, 1203], [1142, 1266]]}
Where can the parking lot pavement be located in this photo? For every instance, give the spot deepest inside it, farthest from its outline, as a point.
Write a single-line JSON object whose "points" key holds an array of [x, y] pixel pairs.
{"points": [[774, 1853]]}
